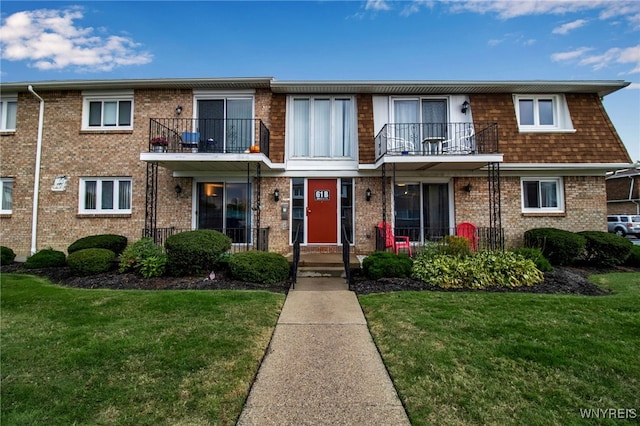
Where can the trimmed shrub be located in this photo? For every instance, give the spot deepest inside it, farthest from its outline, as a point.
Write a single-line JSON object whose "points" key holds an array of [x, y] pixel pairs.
{"points": [[535, 255], [90, 261], [115, 243], [7, 256], [259, 267], [634, 257], [195, 252], [47, 258], [455, 246], [605, 249], [384, 264], [480, 271], [144, 257], [560, 247]]}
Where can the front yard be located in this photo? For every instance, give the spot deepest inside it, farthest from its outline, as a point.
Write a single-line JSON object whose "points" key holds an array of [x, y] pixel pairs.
{"points": [[496, 358], [72, 356]]}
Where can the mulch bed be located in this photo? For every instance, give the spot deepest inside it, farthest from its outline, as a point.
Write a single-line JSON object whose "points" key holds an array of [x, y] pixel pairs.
{"points": [[562, 280]]}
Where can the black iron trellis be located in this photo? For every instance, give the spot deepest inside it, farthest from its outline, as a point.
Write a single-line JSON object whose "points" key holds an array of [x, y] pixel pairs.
{"points": [[151, 201], [496, 239]]}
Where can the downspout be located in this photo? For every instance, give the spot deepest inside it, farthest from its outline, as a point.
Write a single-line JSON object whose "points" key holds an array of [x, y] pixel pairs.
{"points": [[637, 203], [36, 184]]}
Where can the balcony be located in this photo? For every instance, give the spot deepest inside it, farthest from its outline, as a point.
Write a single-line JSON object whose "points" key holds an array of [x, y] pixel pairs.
{"points": [[204, 135], [439, 145]]}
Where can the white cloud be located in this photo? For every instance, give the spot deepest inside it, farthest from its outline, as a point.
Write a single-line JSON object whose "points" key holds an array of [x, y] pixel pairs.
{"points": [[633, 86], [49, 40], [377, 5], [616, 55], [570, 55], [569, 26]]}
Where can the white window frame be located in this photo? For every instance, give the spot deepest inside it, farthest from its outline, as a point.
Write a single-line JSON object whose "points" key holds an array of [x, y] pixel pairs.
{"points": [[89, 97], [559, 195], [116, 194], [5, 100], [332, 99], [561, 116], [3, 182]]}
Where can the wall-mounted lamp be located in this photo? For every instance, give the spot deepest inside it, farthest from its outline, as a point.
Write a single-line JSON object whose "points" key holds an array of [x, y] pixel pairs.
{"points": [[367, 194], [468, 188], [178, 190], [465, 107], [179, 109], [276, 195]]}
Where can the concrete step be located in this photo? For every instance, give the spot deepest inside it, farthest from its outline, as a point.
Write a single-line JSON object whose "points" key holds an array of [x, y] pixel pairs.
{"points": [[321, 271]]}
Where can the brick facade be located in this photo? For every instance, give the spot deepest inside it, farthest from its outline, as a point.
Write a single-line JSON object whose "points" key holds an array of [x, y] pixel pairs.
{"points": [[68, 150]]}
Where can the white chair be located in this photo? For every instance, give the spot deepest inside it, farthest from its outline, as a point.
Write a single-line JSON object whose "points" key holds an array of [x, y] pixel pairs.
{"points": [[399, 145], [462, 142]]}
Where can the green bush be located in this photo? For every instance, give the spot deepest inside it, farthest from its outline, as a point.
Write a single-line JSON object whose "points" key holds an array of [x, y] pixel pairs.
{"points": [[195, 252], [90, 261], [560, 247], [143, 257], [384, 264], [535, 254], [47, 258], [480, 271], [259, 267], [7, 256], [455, 246], [634, 257], [115, 243], [605, 249]]}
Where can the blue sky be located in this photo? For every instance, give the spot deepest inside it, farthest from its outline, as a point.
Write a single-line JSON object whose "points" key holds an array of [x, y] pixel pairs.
{"points": [[332, 40]]}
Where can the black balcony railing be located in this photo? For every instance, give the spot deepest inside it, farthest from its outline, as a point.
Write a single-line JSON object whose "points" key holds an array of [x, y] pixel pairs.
{"points": [[437, 139], [225, 136], [242, 239]]}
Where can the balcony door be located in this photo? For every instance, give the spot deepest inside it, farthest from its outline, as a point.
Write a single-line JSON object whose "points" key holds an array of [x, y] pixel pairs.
{"points": [[419, 120], [225, 125]]}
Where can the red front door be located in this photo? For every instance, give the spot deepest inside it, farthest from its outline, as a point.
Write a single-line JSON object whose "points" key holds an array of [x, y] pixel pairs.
{"points": [[322, 211]]}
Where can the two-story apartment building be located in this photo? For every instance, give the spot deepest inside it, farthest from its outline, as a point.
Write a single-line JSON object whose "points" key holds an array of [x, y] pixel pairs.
{"points": [[268, 161]]}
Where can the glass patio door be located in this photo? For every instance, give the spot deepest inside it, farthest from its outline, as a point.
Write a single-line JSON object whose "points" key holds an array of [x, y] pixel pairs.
{"points": [[224, 208]]}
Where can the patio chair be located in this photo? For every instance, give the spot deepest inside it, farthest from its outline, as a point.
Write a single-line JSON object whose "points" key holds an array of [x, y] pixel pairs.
{"points": [[391, 240], [470, 232]]}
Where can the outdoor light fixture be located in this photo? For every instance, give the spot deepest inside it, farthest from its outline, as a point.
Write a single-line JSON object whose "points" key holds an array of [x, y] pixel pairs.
{"points": [[178, 190], [468, 188], [367, 194], [179, 109], [465, 107], [276, 195]]}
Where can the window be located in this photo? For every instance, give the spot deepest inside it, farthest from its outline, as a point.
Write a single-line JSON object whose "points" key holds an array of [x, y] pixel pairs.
{"points": [[542, 113], [6, 196], [105, 195], [323, 127], [8, 111], [542, 195], [108, 112], [225, 207]]}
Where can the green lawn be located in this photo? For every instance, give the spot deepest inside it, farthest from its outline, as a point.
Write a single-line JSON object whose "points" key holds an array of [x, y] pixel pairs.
{"points": [[512, 359], [103, 357]]}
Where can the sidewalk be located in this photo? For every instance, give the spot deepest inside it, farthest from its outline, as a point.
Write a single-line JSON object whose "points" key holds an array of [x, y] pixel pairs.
{"points": [[322, 366]]}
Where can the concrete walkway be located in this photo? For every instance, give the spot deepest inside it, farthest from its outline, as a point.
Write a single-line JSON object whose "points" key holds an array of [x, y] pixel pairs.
{"points": [[322, 366]]}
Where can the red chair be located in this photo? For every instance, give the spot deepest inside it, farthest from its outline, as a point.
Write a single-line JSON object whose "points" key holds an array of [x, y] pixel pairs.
{"points": [[470, 232], [396, 242]]}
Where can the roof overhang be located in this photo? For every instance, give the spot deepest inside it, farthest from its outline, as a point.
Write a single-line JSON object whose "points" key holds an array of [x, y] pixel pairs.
{"points": [[601, 87], [383, 87], [208, 162], [162, 83]]}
